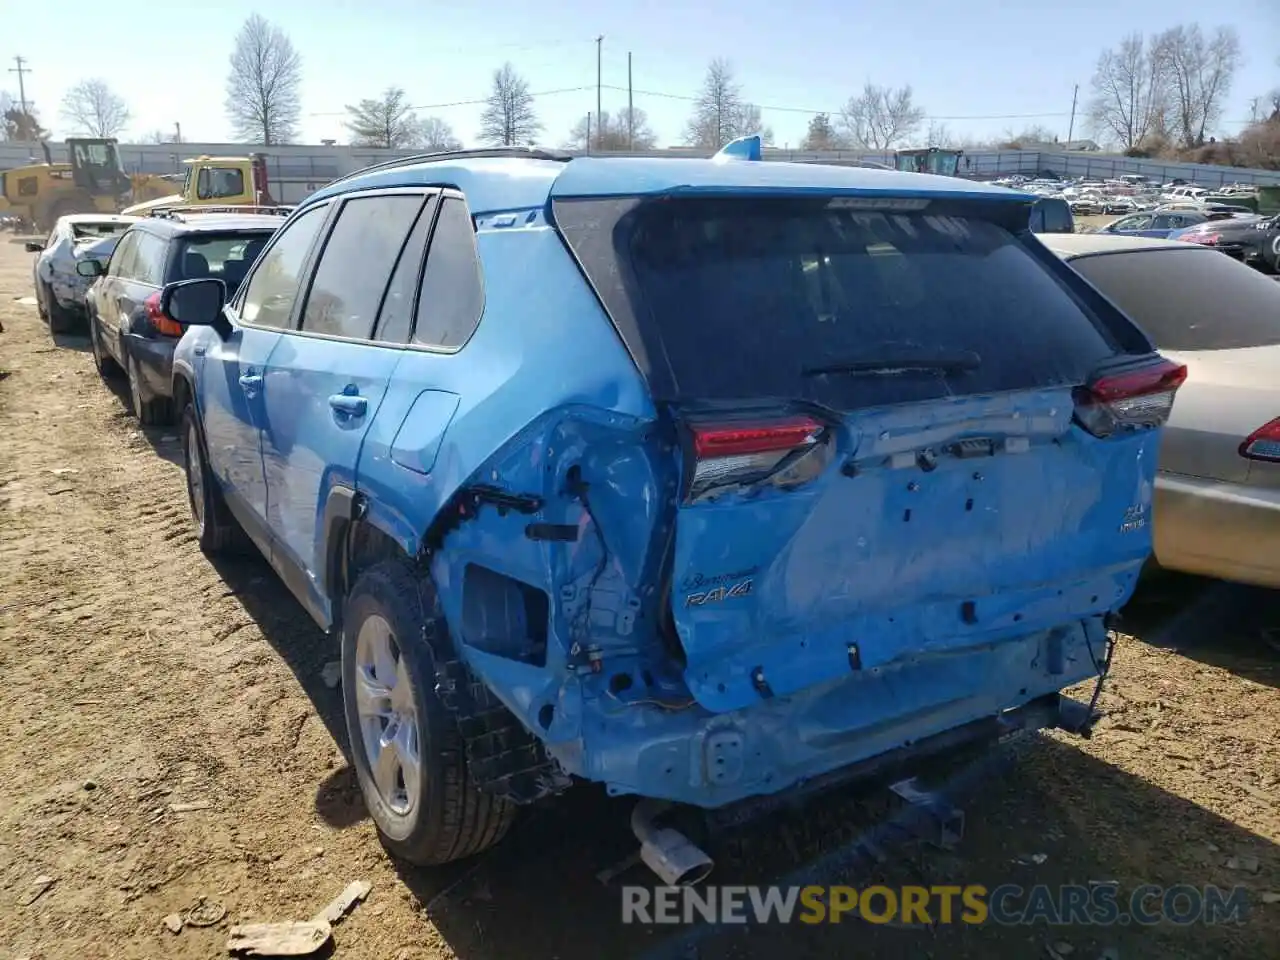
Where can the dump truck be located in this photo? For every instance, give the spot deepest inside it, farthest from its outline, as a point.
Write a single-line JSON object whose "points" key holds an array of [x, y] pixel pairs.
{"points": [[220, 181]]}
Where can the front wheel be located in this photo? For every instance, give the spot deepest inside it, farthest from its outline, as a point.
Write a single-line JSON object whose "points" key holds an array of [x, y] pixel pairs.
{"points": [[408, 754]]}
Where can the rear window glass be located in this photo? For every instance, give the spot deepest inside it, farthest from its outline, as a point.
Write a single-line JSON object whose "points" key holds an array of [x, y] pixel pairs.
{"points": [[84, 231], [750, 298], [1192, 299], [226, 257]]}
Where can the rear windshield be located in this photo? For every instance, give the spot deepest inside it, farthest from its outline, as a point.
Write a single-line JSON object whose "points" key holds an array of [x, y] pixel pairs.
{"points": [[84, 231], [1192, 299], [721, 299], [224, 256]]}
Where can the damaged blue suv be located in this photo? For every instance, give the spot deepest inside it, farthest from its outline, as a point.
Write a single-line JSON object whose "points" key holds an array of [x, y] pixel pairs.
{"points": [[705, 480]]}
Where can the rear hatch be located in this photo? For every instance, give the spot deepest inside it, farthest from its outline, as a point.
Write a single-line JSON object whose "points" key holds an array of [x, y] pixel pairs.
{"points": [[903, 428]]}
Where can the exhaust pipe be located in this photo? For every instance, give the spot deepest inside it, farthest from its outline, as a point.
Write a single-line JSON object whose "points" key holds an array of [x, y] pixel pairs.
{"points": [[667, 852]]}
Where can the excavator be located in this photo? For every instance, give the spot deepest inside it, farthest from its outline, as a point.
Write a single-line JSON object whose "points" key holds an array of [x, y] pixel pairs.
{"points": [[935, 160]]}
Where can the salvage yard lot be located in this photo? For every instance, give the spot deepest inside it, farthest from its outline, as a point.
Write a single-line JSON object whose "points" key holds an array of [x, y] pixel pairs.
{"points": [[168, 735]]}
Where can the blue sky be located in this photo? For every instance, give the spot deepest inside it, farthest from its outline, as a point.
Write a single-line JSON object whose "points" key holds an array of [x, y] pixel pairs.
{"points": [[981, 66]]}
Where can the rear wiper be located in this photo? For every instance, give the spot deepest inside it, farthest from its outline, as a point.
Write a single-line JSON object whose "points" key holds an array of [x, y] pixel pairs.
{"points": [[892, 365]]}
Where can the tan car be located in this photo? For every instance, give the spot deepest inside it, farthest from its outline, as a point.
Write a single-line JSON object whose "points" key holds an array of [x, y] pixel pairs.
{"points": [[1217, 500]]}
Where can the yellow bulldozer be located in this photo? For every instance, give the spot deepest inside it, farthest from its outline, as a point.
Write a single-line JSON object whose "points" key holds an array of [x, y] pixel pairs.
{"points": [[93, 181]]}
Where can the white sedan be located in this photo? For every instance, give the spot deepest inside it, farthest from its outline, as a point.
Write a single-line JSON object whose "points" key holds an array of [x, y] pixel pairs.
{"points": [[60, 290]]}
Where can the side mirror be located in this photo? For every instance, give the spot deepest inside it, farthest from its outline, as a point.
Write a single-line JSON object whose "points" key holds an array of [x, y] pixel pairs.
{"points": [[197, 303], [34, 246], [90, 268]]}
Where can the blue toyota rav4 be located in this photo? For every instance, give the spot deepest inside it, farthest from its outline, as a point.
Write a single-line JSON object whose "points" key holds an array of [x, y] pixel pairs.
{"points": [[701, 479]]}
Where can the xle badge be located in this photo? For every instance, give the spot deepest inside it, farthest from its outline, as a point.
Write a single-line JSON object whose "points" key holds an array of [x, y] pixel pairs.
{"points": [[700, 599], [1135, 518]]}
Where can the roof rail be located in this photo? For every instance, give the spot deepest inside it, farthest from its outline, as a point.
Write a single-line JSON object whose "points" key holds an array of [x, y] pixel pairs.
{"points": [[177, 212], [525, 153]]}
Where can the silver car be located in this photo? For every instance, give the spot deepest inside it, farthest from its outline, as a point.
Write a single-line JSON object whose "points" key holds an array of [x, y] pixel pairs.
{"points": [[60, 290], [1217, 504]]}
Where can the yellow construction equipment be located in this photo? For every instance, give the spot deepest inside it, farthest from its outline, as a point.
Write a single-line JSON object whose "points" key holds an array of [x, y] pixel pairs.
{"points": [[92, 182], [217, 181]]}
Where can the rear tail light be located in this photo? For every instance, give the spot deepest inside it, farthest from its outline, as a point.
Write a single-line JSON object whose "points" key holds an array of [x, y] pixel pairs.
{"points": [[727, 455], [1130, 400], [1206, 238], [164, 324], [1263, 443]]}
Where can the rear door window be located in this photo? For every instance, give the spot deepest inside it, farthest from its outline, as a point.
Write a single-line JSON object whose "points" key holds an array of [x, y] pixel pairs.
{"points": [[1192, 299], [356, 264], [753, 298]]}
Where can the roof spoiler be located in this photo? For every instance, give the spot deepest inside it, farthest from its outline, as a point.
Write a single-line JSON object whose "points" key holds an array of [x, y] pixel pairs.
{"points": [[743, 148]]}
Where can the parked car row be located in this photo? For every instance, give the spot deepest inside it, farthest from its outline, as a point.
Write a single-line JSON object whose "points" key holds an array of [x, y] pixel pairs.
{"points": [[699, 479]]}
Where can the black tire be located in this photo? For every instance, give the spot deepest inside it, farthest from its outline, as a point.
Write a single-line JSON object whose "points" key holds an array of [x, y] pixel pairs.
{"points": [[103, 362], [451, 818], [61, 320], [156, 412], [217, 531], [41, 309]]}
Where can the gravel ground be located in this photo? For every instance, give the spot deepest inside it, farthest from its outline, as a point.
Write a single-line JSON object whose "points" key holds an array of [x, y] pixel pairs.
{"points": [[168, 736]]}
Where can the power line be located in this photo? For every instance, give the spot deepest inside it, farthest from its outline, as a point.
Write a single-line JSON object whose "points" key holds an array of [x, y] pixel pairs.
{"points": [[466, 103]]}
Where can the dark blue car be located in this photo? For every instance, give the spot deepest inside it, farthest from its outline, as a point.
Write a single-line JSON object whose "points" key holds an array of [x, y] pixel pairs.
{"points": [[699, 479]]}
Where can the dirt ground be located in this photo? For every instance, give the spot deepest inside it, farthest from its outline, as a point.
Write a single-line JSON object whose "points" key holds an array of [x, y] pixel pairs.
{"points": [[168, 736]]}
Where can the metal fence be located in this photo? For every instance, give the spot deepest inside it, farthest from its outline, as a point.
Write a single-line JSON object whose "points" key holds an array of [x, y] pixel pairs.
{"points": [[316, 165]]}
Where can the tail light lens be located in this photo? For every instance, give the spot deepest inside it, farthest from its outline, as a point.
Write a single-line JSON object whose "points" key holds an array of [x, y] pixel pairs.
{"points": [[1206, 238], [164, 325], [1130, 400], [785, 451], [1263, 443]]}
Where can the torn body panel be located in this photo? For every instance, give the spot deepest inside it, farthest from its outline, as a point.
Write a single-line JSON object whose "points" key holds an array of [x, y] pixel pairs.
{"points": [[857, 632]]}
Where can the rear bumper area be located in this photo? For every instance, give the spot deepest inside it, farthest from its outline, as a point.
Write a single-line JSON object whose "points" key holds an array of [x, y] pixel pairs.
{"points": [[155, 364], [689, 755], [1217, 529]]}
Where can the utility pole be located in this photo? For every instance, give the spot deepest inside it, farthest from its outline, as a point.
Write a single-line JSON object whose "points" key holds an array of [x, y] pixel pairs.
{"points": [[177, 132], [631, 109], [588, 133], [1253, 110], [599, 81], [1072, 129], [21, 70]]}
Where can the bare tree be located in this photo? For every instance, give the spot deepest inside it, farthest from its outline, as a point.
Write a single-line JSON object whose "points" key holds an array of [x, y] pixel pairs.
{"points": [[509, 118], [438, 135], [1036, 133], [821, 135], [95, 110], [881, 117], [156, 136], [263, 99], [938, 134], [614, 132], [387, 122], [17, 126], [720, 114], [1130, 92], [1199, 73]]}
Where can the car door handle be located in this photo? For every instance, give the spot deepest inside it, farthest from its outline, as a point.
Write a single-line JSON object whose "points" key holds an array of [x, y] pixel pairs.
{"points": [[251, 381], [351, 406]]}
